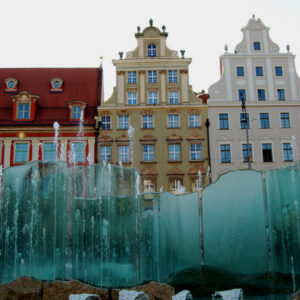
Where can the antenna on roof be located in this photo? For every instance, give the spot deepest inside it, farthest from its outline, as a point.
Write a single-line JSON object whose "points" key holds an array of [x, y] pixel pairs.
{"points": [[151, 22], [101, 58]]}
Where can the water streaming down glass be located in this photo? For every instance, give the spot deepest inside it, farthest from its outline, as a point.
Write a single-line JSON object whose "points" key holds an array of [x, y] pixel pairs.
{"points": [[90, 223]]}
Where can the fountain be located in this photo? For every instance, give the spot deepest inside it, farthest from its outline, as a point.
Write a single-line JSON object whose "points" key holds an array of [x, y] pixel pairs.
{"points": [[90, 223]]}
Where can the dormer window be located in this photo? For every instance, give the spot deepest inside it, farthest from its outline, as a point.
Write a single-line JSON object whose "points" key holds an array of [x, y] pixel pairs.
{"points": [[151, 50], [56, 85], [11, 85], [24, 106], [76, 112]]}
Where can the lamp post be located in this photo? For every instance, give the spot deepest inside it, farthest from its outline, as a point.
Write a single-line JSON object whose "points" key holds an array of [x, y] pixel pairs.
{"points": [[244, 120]]}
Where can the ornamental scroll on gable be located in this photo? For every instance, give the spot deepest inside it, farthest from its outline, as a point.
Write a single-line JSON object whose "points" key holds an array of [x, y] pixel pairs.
{"points": [[256, 31]]}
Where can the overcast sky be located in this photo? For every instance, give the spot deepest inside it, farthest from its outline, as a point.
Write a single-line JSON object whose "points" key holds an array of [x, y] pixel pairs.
{"points": [[71, 33]]}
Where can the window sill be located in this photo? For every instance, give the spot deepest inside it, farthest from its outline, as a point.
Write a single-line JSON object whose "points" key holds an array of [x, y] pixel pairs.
{"points": [[148, 162], [191, 161], [173, 127], [174, 161], [147, 128]]}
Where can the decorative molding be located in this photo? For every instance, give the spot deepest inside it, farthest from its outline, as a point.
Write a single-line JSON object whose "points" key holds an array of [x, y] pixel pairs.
{"points": [[162, 71], [120, 72], [142, 72], [183, 71]]}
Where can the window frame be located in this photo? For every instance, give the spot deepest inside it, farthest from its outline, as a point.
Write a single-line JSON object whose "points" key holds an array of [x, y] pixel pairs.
{"points": [[225, 154], [285, 121], [173, 123], [278, 71], [287, 152], [240, 72], [146, 121], [223, 122], [172, 76], [21, 113], [261, 94], [173, 97], [259, 71], [264, 122], [174, 152], [281, 94], [196, 154], [131, 77], [244, 152], [152, 97], [148, 152], [242, 92], [265, 154], [16, 151], [73, 159], [50, 151], [193, 122], [106, 122], [76, 115], [103, 155], [132, 98], [152, 76], [124, 154], [256, 45], [123, 122], [243, 125], [152, 50]]}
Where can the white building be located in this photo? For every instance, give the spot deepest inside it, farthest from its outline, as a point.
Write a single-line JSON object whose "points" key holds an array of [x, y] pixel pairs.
{"points": [[267, 80]]}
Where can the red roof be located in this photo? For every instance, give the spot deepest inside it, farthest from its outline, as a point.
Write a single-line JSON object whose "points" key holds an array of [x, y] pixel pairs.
{"points": [[83, 84]]}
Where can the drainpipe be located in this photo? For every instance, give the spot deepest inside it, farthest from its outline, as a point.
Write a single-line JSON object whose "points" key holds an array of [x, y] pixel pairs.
{"points": [[98, 125], [207, 124]]}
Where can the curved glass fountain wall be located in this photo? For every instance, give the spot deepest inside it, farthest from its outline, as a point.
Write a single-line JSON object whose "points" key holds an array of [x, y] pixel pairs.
{"points": [[90, 223]]}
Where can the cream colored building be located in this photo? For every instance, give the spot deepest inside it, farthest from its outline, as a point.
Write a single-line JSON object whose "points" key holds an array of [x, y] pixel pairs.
{"points": [[153, 121], [266, 78]]}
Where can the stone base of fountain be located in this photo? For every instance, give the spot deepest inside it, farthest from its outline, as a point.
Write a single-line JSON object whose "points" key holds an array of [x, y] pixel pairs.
{"points": [[31, 289]]}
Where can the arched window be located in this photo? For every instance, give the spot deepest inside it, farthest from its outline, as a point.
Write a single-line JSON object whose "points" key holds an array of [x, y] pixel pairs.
{"points": [[151, 50]]}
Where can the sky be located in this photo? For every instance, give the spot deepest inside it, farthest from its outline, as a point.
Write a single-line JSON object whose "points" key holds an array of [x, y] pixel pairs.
{"points": [[72, 33]]}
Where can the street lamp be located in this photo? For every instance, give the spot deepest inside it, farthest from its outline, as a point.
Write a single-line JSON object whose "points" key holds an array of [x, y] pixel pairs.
{"points": [[244, 120]]}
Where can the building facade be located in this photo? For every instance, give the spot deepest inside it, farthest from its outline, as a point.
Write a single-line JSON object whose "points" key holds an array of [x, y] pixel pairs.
{"points": [[48, 114], [153, 121], [265, 78]]}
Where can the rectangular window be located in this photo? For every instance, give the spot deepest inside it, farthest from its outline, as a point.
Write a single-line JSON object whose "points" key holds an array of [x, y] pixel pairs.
{"points": [[174, 152], [223, 121], [242, 94], [172, 76], [50, 151], [194, 120], [176, 185], [247, 152], [287, 152], [280, 94], [267, 152], [105, 153], [21, 152], [256, 46], [147, 121], [261, 95], [240, 71], [152, 76], [105, 122], [131, 77], [152, 97], [76, 112], [23, 111], [225, 153], [123, 153], [173, 121], [148, 185], [196, 152], [278, 71], [131, 97], [77, 152], [123, 122], [285, 120], [244, 120], [264, 120], [259, 71], [148, 153], [173, 97]]}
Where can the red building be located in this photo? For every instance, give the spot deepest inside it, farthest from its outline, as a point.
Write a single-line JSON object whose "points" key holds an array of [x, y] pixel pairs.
{"points": [[49, 114]]}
